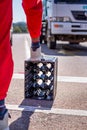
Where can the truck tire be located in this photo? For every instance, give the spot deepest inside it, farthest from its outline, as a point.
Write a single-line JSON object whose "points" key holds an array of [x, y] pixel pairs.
{"points": [[51, 45]]}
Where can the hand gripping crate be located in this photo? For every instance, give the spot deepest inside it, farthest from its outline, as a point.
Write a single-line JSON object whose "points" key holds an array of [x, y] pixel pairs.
{"points": [[41, 78]]}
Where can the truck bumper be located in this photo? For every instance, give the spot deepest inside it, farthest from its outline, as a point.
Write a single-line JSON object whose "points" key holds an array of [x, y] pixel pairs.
{"points": [[68, 28]]}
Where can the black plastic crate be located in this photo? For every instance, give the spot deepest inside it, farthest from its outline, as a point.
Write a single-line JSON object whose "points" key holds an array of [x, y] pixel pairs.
{"points": [[41, 78]]}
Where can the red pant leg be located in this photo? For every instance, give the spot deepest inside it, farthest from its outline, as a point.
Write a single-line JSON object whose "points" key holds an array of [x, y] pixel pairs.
{"points": [[33, 10], [6, 62]]}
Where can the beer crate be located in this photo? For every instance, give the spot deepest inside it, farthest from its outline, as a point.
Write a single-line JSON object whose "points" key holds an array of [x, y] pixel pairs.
{"points": [[41, 78]]}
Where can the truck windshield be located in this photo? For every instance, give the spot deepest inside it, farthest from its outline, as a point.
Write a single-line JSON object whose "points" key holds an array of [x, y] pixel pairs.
{"points": [[71, 1]]}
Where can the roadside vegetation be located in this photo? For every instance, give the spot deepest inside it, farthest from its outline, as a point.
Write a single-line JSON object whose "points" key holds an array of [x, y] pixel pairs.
{"points": [[20, 27]]}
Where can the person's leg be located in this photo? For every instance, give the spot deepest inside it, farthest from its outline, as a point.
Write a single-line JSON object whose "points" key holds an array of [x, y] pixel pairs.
{"points": [[6, 62], [33, 11]]}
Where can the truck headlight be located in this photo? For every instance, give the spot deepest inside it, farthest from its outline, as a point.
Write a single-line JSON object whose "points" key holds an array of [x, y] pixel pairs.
{"points": [[63, 19], [66, 19], [52, 18], [60, 19]]}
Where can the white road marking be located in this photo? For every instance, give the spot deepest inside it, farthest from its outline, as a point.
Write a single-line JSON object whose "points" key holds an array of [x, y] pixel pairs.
{"points": [[47, 110], [59, 78], [27, 49], [72, 79], [18, 76]]}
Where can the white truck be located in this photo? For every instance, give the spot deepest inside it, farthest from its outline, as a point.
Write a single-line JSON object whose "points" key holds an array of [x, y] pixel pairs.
{"points": [[64, 20]]}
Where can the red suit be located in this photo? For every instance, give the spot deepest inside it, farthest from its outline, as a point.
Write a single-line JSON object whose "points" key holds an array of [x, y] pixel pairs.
{"points": [[33, 11]]}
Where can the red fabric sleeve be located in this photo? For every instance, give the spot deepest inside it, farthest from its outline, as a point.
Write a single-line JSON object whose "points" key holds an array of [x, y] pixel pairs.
{"points": [[33, 11]]}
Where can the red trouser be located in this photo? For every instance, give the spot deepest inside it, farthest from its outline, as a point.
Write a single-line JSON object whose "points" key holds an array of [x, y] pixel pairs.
{"points": [[33, 10]]}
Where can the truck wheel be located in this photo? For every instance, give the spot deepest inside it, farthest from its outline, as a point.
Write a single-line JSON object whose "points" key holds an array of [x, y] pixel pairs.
{"points": [[51, 45]]}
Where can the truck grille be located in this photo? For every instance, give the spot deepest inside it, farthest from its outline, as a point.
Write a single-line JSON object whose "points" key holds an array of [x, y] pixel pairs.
{"points": [[79, 15]]}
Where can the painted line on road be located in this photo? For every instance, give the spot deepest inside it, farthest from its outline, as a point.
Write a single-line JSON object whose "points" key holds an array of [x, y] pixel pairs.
{"points": [[18, 76], [72, 79], [59, 78], [27, 49], [47, 110]]}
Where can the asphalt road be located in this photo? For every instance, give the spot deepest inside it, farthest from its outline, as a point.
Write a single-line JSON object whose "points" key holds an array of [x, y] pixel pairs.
{"points": [[69, 109]]}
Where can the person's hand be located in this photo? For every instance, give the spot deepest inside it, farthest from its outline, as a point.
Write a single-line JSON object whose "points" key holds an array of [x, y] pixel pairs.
{"points": [[35, 54]]}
